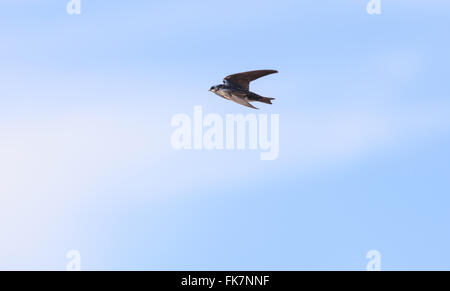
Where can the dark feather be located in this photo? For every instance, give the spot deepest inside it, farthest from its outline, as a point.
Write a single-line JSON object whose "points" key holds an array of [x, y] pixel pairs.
{"points": [[242, 80]]}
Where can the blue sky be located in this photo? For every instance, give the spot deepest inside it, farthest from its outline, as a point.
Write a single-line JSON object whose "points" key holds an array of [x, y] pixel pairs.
{"points": [[85, 156]]}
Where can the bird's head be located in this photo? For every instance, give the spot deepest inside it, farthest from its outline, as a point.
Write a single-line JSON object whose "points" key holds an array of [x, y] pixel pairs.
{"points": [[214, 88]]}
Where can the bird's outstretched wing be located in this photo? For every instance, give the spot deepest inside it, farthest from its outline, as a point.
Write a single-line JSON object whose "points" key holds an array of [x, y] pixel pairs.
{"points": [[241, 101], [242, 80]]}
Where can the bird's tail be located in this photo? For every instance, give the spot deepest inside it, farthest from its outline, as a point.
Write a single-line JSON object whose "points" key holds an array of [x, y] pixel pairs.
{"points": [[255, 97], [266, 100]]}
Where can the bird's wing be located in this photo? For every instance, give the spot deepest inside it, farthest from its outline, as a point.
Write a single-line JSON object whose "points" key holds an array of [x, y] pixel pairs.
{"points": [[242, 80], [241, 101]]}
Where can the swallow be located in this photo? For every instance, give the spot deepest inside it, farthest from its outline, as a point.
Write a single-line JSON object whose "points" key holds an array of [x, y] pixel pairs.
{"points": [[237, 88]]}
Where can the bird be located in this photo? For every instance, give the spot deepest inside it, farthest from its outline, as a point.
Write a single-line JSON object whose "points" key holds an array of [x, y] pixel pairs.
{"points": [[236, 88]]}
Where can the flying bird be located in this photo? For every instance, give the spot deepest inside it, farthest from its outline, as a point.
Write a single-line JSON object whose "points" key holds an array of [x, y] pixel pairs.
{"points": [[237, 88]]}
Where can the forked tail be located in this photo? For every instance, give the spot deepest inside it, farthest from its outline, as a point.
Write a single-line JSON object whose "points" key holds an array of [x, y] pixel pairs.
{"points": [[266, 100], [255, 97]]}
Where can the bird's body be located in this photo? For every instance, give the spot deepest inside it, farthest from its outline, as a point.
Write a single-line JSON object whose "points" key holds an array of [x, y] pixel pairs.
{"points": [[236, 88]]}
